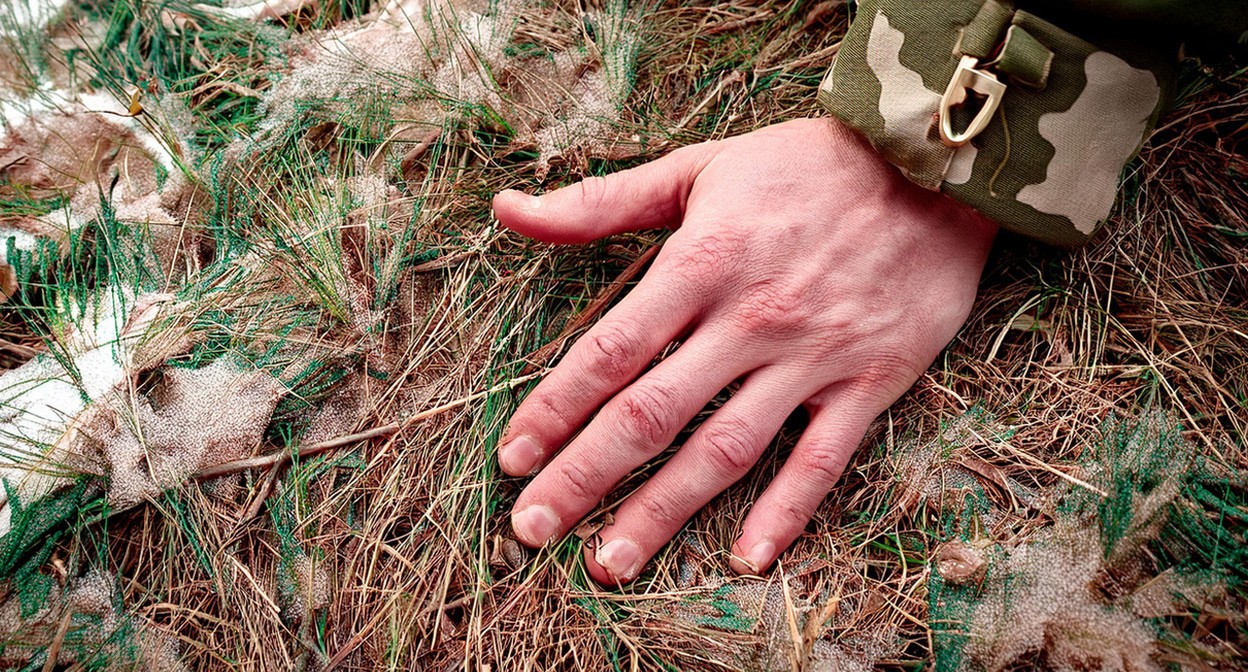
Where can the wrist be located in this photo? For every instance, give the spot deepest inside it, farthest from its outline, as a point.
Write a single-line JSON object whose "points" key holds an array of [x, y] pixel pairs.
{"points": [[947, 217], [975, 223]]}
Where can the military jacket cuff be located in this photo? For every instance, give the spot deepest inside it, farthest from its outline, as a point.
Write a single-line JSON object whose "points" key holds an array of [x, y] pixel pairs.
{"points": [[1054, 117]]}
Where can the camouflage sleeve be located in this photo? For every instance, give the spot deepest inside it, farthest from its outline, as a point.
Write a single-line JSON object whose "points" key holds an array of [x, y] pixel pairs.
{"points": [[1050, 120]]}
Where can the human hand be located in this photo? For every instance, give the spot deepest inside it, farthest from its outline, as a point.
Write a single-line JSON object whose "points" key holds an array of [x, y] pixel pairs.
{"points": [[805, 266]]}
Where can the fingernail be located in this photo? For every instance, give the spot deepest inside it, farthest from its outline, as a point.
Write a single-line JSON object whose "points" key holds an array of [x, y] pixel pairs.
{"points": [[761, 555], [620, 557], [519, 456], [535, 525]]}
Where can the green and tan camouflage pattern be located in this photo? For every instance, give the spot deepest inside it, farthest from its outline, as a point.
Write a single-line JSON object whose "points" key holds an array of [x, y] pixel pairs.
{"points": [[1077, 108]]}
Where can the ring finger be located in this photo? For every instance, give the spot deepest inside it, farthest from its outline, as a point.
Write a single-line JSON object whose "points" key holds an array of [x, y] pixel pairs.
{"points": [[718, 454]]}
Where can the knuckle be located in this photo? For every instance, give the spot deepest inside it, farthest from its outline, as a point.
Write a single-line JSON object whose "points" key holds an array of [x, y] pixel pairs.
{"points": [[613, 352], [823, 462], [660, 511], [771, 308], [835, 334], [543, 411], [791, 514], [578, 482], [872, 376], [730, 447], [593, 191], [886, 372], [648, 411]]}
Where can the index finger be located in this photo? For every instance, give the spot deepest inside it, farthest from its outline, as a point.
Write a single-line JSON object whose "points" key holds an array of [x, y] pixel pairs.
{"points": [[601, 363]]}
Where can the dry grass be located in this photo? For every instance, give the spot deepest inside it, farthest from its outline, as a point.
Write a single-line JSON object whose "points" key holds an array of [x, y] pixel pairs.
{"points": [[370, 252]]}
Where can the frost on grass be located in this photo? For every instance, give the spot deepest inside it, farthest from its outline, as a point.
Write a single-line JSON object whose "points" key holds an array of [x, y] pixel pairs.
{"points": [[304, 582], [306, 587], [940, 474], [1092, 591], [208, 285], [787, 627], [191, 419], [406, 74], [93, 630], [598, 96], [1042, 600], [420, 68], [18, 17]]}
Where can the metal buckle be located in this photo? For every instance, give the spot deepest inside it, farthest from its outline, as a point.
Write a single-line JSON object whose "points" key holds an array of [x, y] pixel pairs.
{"points": [[968, 76]]}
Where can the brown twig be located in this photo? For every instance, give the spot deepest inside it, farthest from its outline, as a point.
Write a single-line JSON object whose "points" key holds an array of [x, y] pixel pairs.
{"points": [[54, 651], [262, 494], [275, 459], [737, 24], [444, 261]]}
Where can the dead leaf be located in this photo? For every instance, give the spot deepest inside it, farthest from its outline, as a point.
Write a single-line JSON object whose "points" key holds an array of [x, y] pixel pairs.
{"points": [[136, 108], [588, 529]]}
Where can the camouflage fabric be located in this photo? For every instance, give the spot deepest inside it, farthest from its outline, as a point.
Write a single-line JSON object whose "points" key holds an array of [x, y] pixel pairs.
{"points": [[1077, 107]]}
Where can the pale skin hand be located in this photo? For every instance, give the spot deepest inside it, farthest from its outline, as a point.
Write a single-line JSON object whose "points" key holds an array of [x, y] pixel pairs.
{"points": [[804, 266]]}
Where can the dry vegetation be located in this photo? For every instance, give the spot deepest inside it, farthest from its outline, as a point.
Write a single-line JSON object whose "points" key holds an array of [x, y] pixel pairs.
{"points": [[261, 337]]}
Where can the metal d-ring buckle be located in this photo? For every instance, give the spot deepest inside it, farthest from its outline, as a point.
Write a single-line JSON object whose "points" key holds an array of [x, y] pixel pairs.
{"points": [[968, 76]]}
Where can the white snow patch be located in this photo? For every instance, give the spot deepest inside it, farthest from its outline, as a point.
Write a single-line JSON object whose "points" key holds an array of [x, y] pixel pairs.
{"points": [[40, 399], [21, 240], [21, 111], [26, 15]]}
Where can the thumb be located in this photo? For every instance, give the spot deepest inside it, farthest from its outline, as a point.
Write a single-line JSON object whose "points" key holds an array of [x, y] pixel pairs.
{"points": [[649, 196]]}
